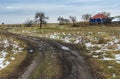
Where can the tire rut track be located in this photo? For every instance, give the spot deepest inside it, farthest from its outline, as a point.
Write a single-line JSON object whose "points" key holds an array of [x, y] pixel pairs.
{"points": [[73, 64]]}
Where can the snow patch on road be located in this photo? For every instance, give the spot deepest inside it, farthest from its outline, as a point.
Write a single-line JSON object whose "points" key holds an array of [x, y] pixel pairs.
{"points": [[65, 48]]}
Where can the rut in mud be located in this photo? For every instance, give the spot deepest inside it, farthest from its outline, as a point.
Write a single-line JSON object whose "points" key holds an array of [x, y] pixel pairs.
{"points": [[73, 64]]}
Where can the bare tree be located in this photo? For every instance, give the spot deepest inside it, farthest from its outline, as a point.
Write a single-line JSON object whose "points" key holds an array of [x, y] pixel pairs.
{"points": [[3, 23], [86, 17], [29, 23], [73, 19], [41, 18], [61, 20], [66, 21]]}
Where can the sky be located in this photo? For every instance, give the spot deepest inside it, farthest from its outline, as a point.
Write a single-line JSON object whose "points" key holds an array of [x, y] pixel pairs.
{"points": [[17, 11]]}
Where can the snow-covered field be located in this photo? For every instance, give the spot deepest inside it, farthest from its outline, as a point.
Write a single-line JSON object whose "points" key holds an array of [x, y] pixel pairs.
{"points": [[100, 47], [102, 44], [8, 49]]}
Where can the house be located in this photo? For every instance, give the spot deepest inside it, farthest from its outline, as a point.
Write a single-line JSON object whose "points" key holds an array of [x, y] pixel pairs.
{"points": [[99, 19]]}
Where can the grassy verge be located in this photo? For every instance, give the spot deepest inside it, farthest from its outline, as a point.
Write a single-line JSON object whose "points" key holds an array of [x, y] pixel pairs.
{"points": [[13, 65], [105, 69], [15, 59]]}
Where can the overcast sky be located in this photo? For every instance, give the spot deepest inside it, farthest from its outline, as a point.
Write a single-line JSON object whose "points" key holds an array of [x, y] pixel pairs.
{"points": [[17, 11]]}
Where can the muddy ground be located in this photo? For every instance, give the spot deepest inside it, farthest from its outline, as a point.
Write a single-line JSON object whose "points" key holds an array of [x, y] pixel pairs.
{"points": [[73, 64]]}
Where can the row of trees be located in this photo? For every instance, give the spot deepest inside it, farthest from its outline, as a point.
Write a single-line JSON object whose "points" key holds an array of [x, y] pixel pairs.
{"points": [[41, 19], [66, 21], [72, 19]]}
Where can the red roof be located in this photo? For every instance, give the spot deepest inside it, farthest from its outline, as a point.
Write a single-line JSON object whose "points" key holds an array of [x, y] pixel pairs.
{"points": [[99, 16]]}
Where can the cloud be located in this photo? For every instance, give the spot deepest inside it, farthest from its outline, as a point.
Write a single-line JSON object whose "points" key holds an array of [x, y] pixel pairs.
{"points": [[10, 7]]}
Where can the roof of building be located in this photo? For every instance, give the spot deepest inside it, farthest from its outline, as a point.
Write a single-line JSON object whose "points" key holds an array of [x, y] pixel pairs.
{"points": [[98, 16]]}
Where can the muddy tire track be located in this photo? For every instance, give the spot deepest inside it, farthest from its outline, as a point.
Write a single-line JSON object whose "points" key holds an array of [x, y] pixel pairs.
{"points": [[73, 64]]}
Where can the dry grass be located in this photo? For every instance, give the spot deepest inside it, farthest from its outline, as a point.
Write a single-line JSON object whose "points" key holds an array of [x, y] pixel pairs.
{"points": [[19, 57], [99, 66], [13, 65]]}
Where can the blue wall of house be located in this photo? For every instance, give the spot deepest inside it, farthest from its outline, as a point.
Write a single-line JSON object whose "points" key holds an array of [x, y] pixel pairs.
{"points": [[97, 20]]}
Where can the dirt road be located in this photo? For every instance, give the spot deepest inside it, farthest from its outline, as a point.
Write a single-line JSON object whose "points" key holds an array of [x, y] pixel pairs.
{"points": [[73, 64]]}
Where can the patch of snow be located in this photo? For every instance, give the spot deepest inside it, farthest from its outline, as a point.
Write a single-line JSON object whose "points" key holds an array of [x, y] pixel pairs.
{"points": [[107, 59], [98, 51], [89, 40], [77, 41], [99, 45], [100, 32], [15, 45], [89, 45], [1, 60], [54, 36], [3, 65], [6, 43], [14, 51], [65, 48], [12, 58], [116, 41], [118, 62], [31, 50], [63, 33], [110, 43], [3, 53], [118, 47], [117, 57], [113, 75], [95, 56], [20, 49], [16, 48], [110, 67], [67, 40]]}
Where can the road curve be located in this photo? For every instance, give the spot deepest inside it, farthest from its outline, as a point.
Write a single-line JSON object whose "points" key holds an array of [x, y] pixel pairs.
{"points": [[73, 64]]}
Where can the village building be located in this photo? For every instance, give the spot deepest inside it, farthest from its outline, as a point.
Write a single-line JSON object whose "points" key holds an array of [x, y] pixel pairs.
{"points": [[116, 19], [99, 19]]}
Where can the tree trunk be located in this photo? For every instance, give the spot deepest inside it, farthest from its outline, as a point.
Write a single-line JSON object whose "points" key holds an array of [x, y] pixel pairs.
{"points": [[40, 25], [73, 23]]}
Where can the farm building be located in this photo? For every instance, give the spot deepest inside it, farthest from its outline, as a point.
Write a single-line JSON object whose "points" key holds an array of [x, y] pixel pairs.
{"points": [[99, 19], [116, 20]]}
